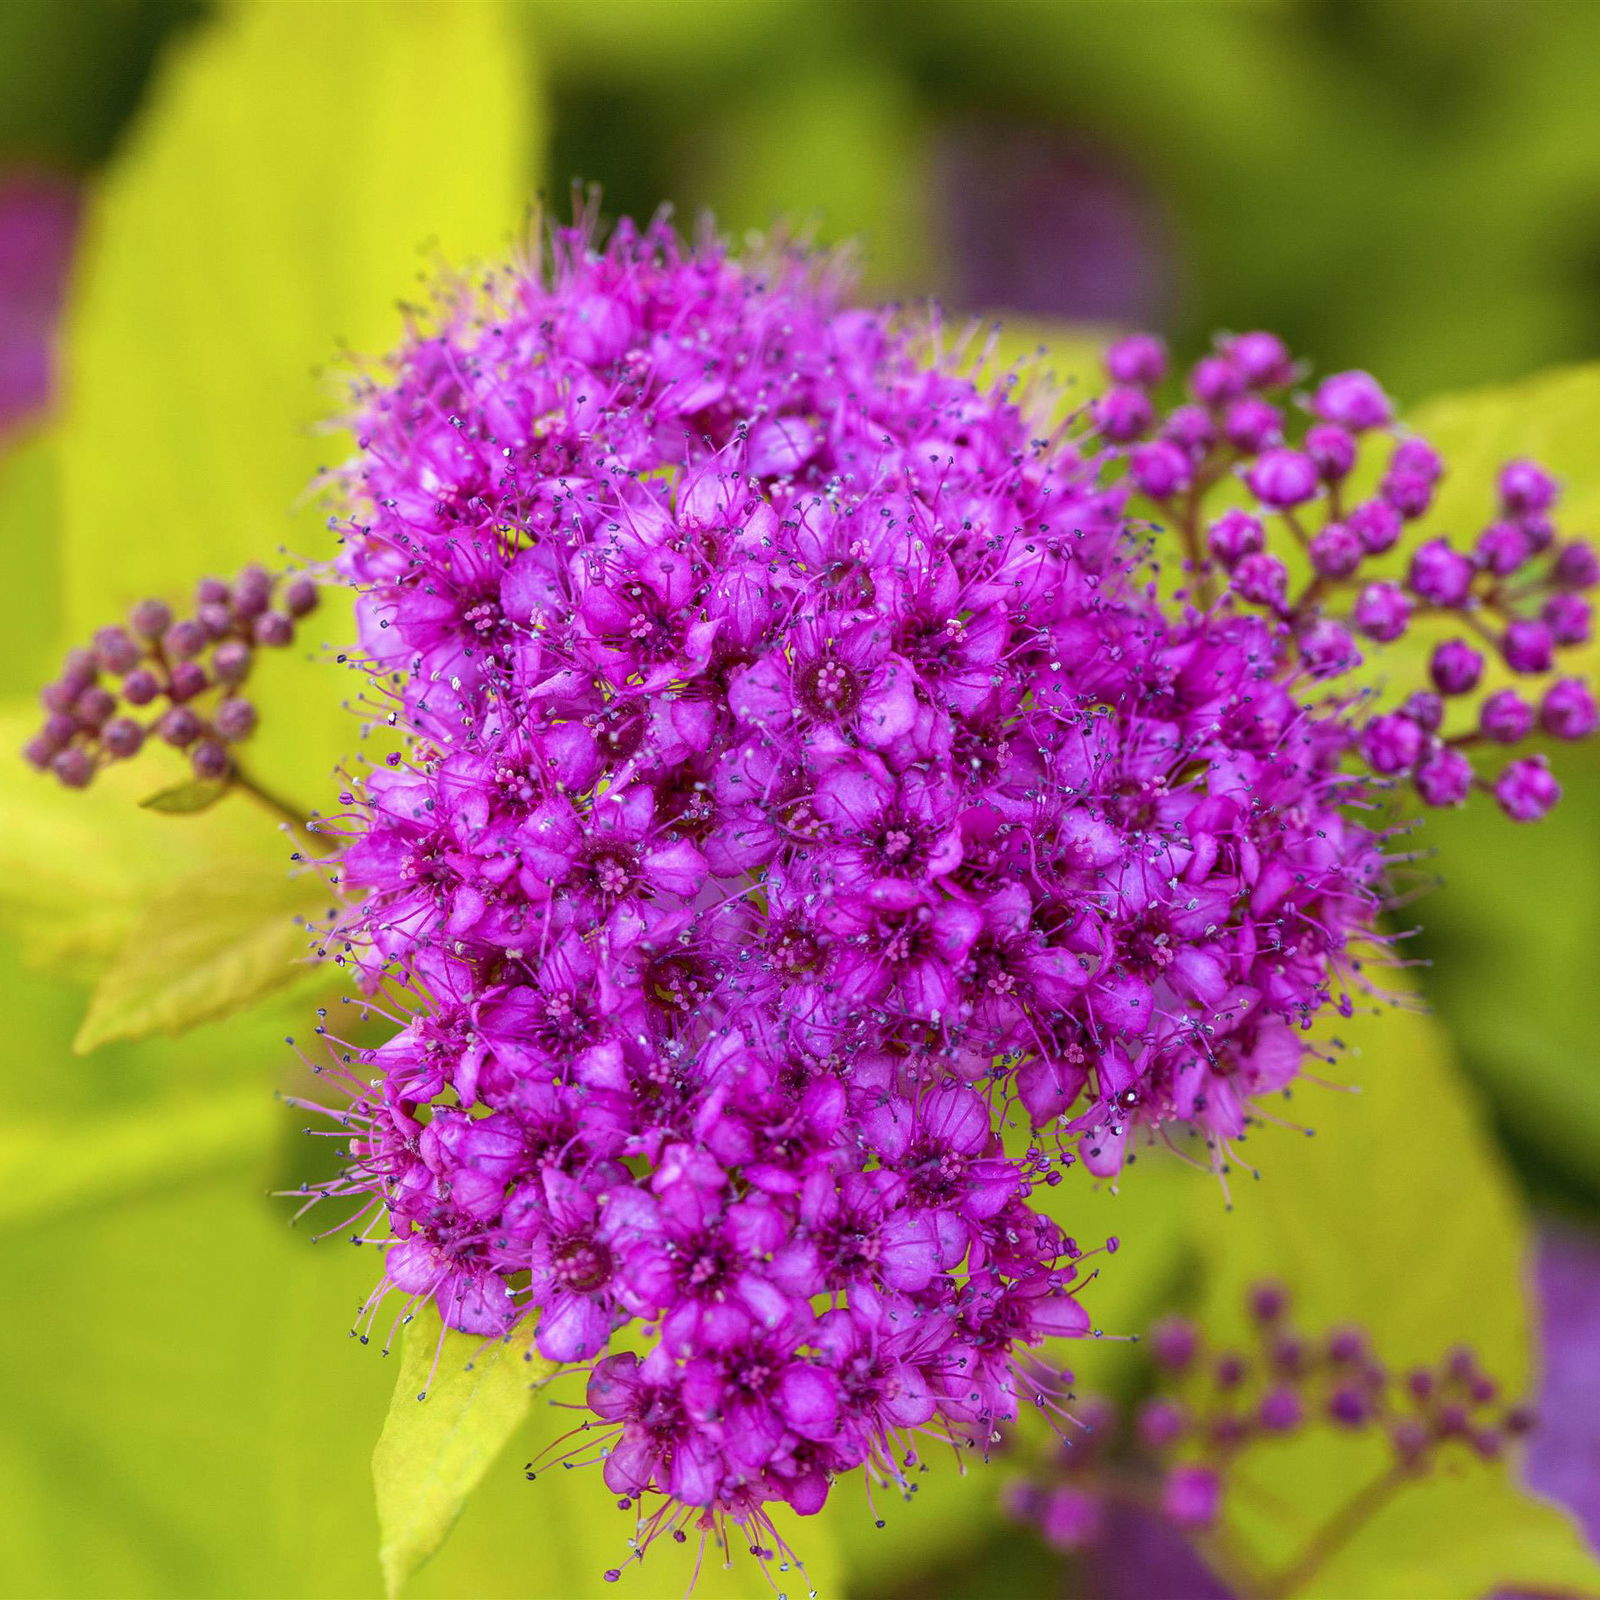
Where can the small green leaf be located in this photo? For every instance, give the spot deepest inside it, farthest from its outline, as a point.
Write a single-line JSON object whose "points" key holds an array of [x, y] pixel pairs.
{"points": [[207, 946], [186, 798], [457, 1401]]}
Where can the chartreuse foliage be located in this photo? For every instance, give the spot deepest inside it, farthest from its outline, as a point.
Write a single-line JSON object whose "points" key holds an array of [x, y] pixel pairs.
{"points": [[207, 946], [457, 1400], [299, 169], [292, 159], [1398, 1215]]}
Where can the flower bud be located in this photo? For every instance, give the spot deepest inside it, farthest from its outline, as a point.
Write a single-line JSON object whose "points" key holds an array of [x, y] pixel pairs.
{"points": [[1281, 1410], [1160, 469], [252, 592], [1141, 359], [1174, 1343], [1505, 717], [1327, 649], [1252, 425], [93, 706], [1568, 617], [1261, 358], [1424, 709], [1382, 612], [74, 767], [1538, 530], [1283, 479], [1502, 548], [1391, 744], [1069, 1519], [1347, 1346], [1161, 1423], [1528, 647], [1261, 579], [300, 596], [115, 650], [1349, 1406], [1333, 450], [1409, 1439], [140, 687], [1576, 567], [1440, 575], [1376, 524], [150, 618], [1191, 1497], [1417, 456], [185, 680], [210, 759], [1336, 552], [1527, 790], [1455, 667], [211, 592], [1215, 381], [1444, 778], [1354, 400], [1235, 535], [1568, 710], [235, 719], [1410, 493], [1123, 414], [122, 737], [180, 727], [184, 639], [1231, 1370], [1289, 1355], [1191, 429], [231, 661], [1526, 486], [273, 628]]}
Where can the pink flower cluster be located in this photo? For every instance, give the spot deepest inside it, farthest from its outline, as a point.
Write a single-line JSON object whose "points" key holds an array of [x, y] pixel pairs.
{"points": [[808, 784]]}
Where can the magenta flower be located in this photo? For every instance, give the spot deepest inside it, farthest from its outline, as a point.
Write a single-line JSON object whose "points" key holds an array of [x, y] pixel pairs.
{"points": [[805, 780]]}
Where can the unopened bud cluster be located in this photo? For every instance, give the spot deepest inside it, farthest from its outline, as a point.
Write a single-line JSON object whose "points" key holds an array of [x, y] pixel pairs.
{"points": [[1334, 568], [1176, 1451], [161, 676]]}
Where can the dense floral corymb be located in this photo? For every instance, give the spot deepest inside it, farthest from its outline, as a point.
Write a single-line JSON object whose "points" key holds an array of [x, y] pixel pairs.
{"points": [[811, 779]]}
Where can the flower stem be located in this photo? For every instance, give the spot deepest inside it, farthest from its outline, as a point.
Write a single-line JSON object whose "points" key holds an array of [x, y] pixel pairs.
{"points": [[279, 807], [1336, 1532]]}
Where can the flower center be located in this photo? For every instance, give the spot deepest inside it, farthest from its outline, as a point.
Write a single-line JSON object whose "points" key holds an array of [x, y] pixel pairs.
{"points": [[582, 1265]]}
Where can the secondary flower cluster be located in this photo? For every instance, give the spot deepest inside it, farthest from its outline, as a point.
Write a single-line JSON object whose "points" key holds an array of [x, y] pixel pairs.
{"points": [[177, 679], [1176, 1451], [1518, 590], [808, 779]]}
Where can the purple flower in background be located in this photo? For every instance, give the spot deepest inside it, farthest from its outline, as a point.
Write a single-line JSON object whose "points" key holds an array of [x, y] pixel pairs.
{"points": [[38, 223], [1138, 1505], [1563, 1458]]}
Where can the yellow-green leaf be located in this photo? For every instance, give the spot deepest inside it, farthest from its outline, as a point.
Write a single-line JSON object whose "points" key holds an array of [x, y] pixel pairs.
{"points": [[206, 946], [50, 1167], [457, 1401], [296, 172], [1553, 417], [1398, 1215], [77, 868]]}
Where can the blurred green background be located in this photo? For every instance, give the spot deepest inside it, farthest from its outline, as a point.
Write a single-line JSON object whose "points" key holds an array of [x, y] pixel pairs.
{"points": [[1411, 186]]}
